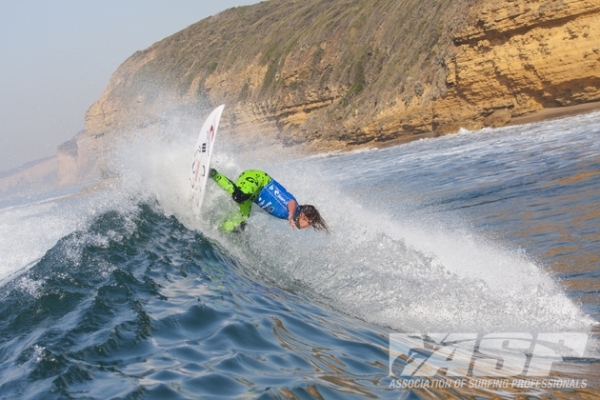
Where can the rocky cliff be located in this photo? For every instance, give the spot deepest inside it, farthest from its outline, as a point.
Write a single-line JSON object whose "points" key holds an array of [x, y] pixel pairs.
{"points": [[75, 163], [338, 73]]}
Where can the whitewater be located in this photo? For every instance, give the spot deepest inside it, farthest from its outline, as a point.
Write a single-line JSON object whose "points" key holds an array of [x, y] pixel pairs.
{"points": [[121, 290]]}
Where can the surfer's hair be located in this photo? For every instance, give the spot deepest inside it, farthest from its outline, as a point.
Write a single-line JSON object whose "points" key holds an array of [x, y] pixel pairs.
{"points": [[316, 221]]}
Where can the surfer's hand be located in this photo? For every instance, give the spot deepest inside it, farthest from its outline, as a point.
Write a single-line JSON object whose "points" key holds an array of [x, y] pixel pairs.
{"points": [[291, 206]]}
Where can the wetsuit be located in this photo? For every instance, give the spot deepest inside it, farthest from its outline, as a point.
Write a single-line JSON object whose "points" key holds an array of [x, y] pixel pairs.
{"points": [[254, 186]]}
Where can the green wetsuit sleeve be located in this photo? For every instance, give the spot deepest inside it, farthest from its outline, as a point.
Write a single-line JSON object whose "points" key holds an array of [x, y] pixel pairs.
{"points": [[224, 182]]}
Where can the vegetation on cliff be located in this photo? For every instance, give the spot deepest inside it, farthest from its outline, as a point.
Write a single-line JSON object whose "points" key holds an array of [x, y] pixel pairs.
{"points": [[339, 72], [379, 42]]}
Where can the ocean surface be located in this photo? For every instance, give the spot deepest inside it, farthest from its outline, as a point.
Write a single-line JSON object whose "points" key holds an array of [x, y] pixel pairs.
{"points": [[122, 291]]}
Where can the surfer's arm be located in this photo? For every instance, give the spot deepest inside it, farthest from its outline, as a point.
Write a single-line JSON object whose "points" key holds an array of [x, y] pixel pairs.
{"points": [[292, 205]]}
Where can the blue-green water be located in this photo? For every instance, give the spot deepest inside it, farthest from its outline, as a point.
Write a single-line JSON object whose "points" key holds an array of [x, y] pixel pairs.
{"points": [[124, 292]]}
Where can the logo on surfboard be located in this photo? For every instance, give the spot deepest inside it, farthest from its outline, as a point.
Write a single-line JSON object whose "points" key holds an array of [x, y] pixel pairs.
{"points": [[198, 162], [202, 155]]}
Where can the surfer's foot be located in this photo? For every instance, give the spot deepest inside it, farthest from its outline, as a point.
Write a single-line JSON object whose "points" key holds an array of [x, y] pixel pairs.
{"points": [[240, 228]]}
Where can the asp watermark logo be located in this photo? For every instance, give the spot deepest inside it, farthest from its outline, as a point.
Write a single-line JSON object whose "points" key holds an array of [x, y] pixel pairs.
{"points": [[497, 355]]}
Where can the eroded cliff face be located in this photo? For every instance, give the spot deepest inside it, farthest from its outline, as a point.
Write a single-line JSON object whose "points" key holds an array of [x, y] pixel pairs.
{"points": [[77, 161], [522, 56], [341, 73], [511, 59]]}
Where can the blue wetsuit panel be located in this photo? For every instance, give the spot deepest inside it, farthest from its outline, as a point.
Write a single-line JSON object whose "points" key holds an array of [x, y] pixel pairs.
{"points": [[274, 199]]}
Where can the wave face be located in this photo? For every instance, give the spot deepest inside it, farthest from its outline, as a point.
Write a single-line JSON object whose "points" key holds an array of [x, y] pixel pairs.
{"points": [[138, 306], [123, 291]]}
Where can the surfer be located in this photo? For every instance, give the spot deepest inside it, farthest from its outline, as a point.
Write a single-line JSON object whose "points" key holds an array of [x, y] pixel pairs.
{"points": [[257, 186]]}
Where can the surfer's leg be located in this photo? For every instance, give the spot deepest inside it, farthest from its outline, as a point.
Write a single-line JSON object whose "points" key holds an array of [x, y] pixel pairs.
{"points": [[234, 224], [237, 221]]}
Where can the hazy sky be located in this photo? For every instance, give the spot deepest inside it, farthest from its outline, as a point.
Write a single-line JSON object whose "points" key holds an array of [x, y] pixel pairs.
{"points": [[56, 57]]}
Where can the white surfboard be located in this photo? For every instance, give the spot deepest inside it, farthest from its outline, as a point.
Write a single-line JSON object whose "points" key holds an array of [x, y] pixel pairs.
{"points": [[202, 155]]}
